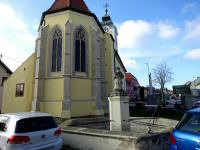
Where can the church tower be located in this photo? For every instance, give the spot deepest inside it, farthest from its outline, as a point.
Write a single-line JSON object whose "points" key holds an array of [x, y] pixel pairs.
{"points": [[109, 27]]}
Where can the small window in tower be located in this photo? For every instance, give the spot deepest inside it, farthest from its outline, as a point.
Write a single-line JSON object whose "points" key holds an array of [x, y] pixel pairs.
{"points": [[19, 90]]}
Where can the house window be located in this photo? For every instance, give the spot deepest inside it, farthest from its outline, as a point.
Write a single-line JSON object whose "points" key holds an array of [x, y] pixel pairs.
{"points": [[57, 51], [3, 79], [80, 50], [19, 90]]}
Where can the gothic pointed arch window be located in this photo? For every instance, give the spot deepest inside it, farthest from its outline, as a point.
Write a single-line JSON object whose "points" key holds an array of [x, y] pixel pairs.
{"points": [[57, 51], [80, 50]]}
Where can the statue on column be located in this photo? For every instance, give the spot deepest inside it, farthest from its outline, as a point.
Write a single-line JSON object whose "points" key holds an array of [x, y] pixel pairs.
{"points": [[118, 80], [118, 83]]}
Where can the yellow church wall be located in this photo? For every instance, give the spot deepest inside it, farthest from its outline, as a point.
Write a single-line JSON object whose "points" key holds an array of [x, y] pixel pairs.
{"points": [[89, 24], [57, 19], [81, 89], [53, 89], [82, 95], [53, 97], [60, 20], [53, 108], [82, 103], [53, 85], [82, 108], [24, 74]]}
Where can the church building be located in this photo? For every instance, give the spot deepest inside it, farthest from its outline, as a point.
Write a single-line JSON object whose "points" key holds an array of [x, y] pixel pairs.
{"points": [[72, 70]]}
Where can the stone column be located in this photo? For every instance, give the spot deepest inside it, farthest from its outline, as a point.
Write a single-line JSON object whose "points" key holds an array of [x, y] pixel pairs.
{"points": [[119, 113], [67, 67], [40, 68], [96, 72], [104, 82]]}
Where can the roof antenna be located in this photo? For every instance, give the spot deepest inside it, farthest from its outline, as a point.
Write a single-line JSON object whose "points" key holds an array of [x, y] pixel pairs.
{"points": [[1, 56], [106, 6]]}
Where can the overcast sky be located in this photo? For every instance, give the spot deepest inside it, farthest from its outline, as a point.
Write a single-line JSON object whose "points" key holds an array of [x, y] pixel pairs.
{"points": [[150, 31]]}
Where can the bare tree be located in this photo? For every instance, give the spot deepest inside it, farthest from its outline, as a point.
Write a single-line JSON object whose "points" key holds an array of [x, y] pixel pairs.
{"points": [[162, 75]]}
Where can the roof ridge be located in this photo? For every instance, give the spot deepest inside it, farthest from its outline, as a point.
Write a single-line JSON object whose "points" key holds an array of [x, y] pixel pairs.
{"points": [[5, 67], [64, 4]]}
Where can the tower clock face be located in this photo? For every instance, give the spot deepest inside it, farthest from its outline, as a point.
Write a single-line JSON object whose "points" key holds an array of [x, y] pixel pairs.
{"points": [[106, 28]]}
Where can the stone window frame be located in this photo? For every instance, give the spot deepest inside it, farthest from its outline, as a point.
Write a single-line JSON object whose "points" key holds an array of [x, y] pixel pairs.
{"points": [[78, 73], [19, 90], [56, 64], [50, 49]]}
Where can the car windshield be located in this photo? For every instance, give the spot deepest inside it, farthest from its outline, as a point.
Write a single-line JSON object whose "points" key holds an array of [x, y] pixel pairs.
{"points": [[35, 124], [190, 122]]}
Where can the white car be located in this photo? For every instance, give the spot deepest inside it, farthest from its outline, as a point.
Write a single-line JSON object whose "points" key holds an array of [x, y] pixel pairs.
{"points": [[29, 131]]}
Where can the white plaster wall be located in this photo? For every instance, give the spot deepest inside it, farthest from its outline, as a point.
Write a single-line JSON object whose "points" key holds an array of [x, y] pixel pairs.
{"points": [[88, 142], [91, 140], [119, 113], [3, 73]]}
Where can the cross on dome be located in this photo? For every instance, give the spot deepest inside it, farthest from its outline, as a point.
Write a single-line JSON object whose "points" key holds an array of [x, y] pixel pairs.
{"points": [[106, 6]]}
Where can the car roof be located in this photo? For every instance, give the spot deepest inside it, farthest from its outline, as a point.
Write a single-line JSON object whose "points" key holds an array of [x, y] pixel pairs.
{"points": [[23, 115], [196, 110]]}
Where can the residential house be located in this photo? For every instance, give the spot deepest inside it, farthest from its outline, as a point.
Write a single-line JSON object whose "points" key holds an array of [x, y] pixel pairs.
{"points": [[5, 72], [133, 87]]}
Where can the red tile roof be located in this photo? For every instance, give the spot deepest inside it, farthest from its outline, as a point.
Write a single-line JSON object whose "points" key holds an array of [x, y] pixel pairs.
{"points": [[74, 5], [130, 77], [68, 4]]}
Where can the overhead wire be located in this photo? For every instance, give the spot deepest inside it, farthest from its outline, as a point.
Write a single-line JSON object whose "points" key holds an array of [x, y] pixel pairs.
{"points": [[11, 58]]}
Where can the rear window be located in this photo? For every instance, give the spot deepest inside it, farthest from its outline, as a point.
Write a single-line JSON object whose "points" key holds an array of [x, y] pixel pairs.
{"points": [[35, 124], [190, 122]]}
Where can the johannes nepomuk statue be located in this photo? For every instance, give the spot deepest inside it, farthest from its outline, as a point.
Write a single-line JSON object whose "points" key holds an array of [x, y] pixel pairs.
{"points": [[118, 80]]}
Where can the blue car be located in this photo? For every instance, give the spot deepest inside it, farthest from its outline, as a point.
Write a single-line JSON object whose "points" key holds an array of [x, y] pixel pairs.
{"points": [[186, 135]]}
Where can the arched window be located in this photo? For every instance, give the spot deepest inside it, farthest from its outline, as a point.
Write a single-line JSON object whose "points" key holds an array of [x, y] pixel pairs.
{"points": [[80, 50], [57, 51]]}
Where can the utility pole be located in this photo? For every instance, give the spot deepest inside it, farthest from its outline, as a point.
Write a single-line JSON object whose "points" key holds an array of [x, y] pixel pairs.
{"points": [[150, 81], [148, 67]]}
